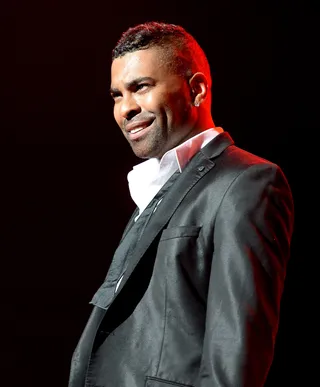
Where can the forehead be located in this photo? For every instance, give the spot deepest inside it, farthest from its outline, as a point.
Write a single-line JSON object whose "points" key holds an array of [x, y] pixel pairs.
{"points": [[142, 63]]}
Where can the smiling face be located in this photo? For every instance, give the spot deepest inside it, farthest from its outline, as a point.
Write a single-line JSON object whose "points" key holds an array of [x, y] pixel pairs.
{"points": [[153, 105]]}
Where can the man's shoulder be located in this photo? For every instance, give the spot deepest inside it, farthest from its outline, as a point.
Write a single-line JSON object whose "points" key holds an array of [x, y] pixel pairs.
{"points": [[224, 148], [245, 157]]}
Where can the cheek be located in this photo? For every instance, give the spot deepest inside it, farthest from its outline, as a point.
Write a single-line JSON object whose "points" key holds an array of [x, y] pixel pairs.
{"points": [[149, 102], [177, 108], [160, 104], [116, 115]]}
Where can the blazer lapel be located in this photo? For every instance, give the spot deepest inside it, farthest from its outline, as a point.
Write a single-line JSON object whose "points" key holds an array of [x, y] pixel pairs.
{"points": [[130, 223], [199, 166]]}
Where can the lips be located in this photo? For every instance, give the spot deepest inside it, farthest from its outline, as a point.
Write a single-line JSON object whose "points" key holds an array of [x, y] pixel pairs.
{"points": [[137, 129]]}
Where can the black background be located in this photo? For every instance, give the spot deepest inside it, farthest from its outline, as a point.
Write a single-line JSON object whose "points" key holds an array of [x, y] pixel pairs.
{"points": [[72, 200]]}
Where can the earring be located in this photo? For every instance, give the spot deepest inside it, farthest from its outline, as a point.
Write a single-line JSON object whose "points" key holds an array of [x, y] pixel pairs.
{"points": [[196, 104]]}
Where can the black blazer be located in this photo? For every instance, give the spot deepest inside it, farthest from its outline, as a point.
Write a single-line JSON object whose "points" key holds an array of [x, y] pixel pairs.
{"points": [[199, 302]]}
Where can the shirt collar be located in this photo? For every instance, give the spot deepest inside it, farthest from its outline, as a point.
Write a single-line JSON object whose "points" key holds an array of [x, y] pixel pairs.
{"points": [[146, 178], [185, 151]]}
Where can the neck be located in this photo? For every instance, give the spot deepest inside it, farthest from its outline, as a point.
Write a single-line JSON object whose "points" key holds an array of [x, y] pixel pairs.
{"points": [[205, 120]]}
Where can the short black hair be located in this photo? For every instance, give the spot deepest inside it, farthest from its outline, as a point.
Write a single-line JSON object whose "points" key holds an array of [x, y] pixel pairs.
{"points": [[180, 48]]}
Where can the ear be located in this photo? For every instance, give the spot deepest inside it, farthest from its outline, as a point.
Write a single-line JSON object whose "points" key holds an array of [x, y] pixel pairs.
{"points": [[199, 88]]}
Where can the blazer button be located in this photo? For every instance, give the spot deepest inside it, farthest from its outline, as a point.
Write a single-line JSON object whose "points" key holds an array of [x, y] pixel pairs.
{"points": [[201, 168]]}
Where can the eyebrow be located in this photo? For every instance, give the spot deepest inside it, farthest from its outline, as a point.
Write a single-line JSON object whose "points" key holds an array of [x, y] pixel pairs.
{"points": [[131, 84]]}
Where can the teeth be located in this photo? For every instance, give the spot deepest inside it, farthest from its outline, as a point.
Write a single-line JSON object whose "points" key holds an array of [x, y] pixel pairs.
{"points": [[136, 130]]}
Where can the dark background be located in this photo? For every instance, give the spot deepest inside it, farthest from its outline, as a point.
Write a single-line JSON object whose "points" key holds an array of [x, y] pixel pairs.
{"points": [[72, 201]]}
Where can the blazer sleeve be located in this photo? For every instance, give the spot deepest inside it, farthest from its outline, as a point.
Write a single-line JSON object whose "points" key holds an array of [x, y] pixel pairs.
{"points": [[252, 236]]}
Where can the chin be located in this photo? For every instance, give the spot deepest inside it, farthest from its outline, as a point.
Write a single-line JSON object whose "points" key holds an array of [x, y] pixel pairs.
{"points": [[143, 152]]}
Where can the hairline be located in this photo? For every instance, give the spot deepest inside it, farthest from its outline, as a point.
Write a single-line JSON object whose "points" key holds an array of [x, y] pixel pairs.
{"points": [[169, 56]]}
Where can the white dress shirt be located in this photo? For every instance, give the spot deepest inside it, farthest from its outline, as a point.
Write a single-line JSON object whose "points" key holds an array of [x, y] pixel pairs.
{"points": [[148, 177]]}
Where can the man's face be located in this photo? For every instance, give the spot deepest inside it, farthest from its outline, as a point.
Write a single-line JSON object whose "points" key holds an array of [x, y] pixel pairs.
{"points": [[152, 105]]}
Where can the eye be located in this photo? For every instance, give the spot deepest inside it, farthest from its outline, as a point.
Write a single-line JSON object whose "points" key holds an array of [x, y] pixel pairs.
{"points": [[142, 86], [114, 96]]}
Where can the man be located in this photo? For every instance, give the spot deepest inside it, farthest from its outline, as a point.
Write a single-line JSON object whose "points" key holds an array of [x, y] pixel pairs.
{"points": [[192, 296]]}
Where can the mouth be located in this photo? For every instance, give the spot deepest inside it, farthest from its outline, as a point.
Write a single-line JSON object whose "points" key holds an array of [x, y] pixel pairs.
{"points": [[138, 131]]}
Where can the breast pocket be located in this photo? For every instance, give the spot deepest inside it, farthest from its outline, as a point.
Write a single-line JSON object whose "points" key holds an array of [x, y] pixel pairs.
{"points": [[156, 382], [179, 246], [180, 232], [182, 256], [179, 241]]}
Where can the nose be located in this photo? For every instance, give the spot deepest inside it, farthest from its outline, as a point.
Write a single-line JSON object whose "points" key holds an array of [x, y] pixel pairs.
{"points": [[129, 107]]}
